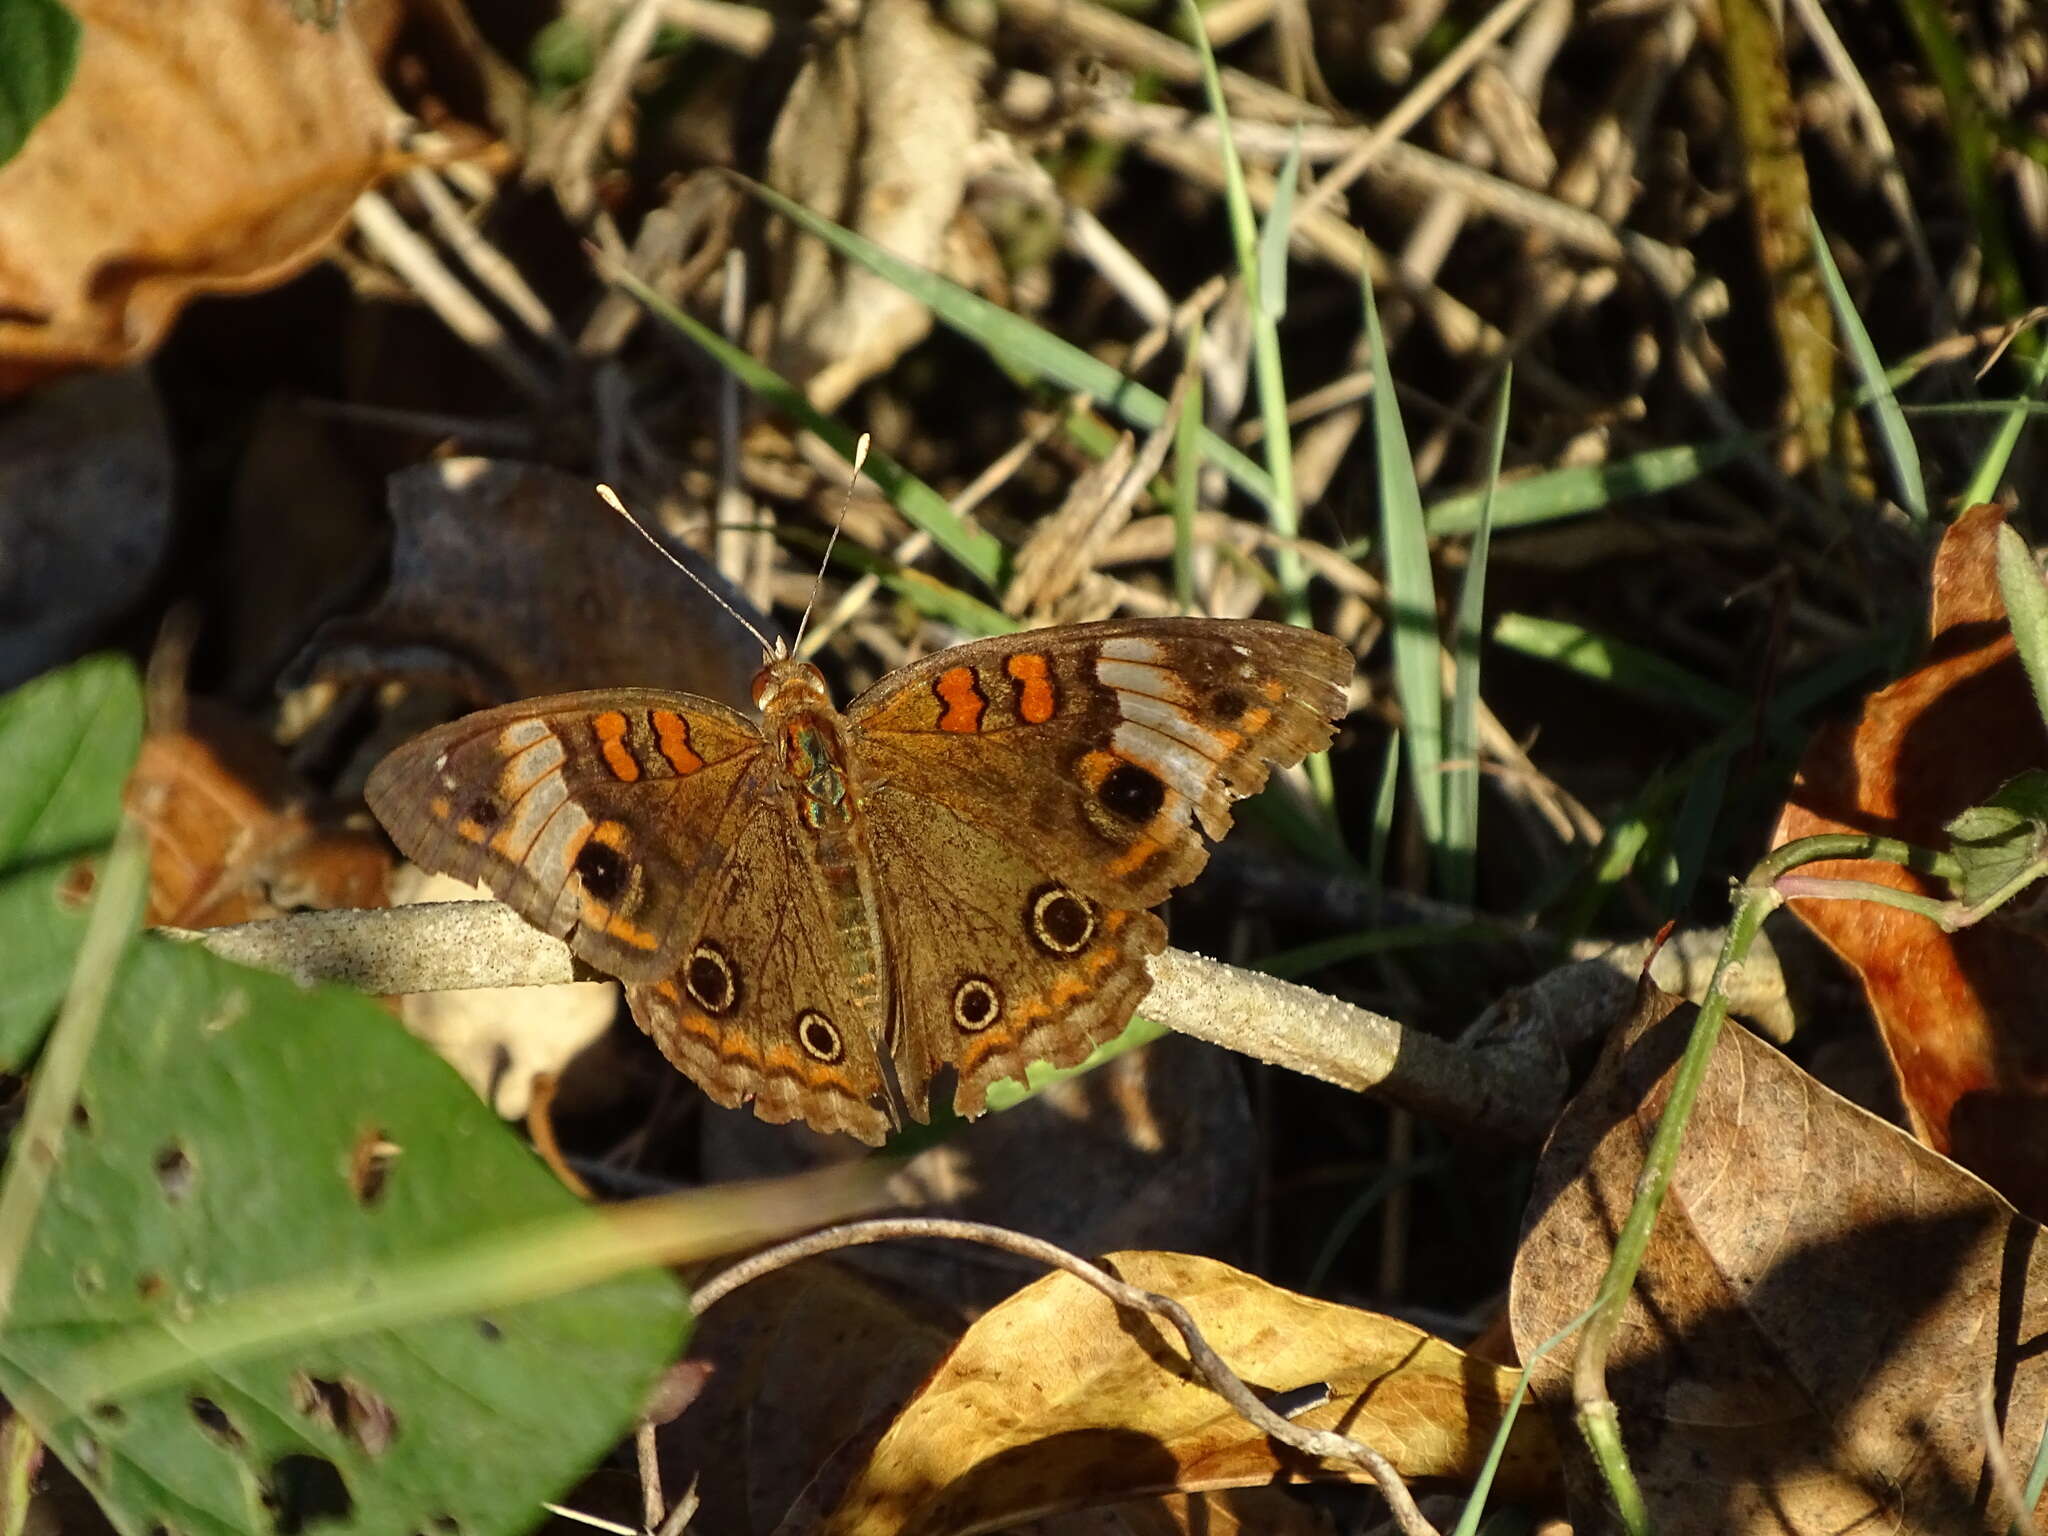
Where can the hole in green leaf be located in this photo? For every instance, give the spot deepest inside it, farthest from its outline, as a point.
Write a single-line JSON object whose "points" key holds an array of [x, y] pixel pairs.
{"points": [[149, 1285], [214, 1420], [173, 1172], [302, 1491], [369, 1165], [109, 1413], [445, 1525], [74, 891], [490, 1330], [81, 1118], [349, 1408]]}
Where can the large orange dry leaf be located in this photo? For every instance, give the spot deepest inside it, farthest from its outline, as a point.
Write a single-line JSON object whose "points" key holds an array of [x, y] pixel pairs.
{"points": [[1963, 1015], [1055, 1401], [1825, 1315], [208, 146]]}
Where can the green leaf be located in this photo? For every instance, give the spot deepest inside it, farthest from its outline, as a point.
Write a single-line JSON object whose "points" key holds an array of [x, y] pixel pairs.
{"points": [[1626, 666], [1583, 488], [67, 742], [2026, 603], [251, 1170], [38, 56], [2002, 844], [1461, 744]]}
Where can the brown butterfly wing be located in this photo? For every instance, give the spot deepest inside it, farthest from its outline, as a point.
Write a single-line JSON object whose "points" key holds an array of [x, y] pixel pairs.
{"points": [[600, 817], [765, 1005], [1106, 750], [995, 961]]}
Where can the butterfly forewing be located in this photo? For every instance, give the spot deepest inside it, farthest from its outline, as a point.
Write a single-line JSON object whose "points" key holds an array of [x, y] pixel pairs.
{"points": [[600, 817], [1106, 749]]}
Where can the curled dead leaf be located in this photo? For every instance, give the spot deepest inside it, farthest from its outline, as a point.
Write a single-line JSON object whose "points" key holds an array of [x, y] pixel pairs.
{"points": [[1054, 1401], [1963, 1015], [1824, 1304], [210, 147]]}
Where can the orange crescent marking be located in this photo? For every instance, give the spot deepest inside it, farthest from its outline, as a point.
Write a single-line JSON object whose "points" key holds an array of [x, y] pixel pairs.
{"points": [[610, 729], [1133, 858], [672, 735], [957, 690], [1254, 720], [1036, 701]]}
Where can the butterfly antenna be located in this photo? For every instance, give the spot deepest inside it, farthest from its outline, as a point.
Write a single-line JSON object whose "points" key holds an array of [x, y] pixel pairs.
{"points": [[611, 499], [860, 457]]}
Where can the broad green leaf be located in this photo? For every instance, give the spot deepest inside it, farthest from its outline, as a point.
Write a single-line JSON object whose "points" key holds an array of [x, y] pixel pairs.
{"points": [[38, 56], [250, 1166], [2026, 603], [67, 742], [2003, 843]]}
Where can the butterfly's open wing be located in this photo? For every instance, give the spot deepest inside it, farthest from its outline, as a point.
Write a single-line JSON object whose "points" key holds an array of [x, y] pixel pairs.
{"points": [[1105, 747], [1004, 967], [765, 1004], [600, 817]]}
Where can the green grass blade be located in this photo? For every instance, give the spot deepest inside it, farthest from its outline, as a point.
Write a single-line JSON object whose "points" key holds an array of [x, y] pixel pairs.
{"points": [[1461, 747], [1692, 831], [1984, 479], [1892, 432], [1272, 257], [1586, 488], [1187, 476], [1383, 800], [1618, 663], [1015, 341], [1283, 514], [975, 551], [1411, 595]]}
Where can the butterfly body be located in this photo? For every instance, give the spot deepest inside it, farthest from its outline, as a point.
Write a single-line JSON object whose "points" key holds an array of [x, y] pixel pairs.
{"points": [[821, 912]]}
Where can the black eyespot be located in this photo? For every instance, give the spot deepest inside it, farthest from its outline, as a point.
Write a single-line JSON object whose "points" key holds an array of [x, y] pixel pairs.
{"points": [[1060, 921], [1132, 793], [818, 1036], [485, 811], [602, 869], [976, 1003], [712, 982], [1229, 704]]}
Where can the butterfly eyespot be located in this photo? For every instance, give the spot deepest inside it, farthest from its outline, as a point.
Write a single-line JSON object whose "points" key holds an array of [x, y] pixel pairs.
{"points": [[713, 984], [1060, 921], [817, 1035], [976, 1004], [602, 869], [1228, 704], [485, 811], [1131, 792]]}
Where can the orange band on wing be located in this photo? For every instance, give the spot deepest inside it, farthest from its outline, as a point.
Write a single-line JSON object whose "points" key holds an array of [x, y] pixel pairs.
{"points": [[610, 729], [957, 690], [1036, 701], [672, 735]]}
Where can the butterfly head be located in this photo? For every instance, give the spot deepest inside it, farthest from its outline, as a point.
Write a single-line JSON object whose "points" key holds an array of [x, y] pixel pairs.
{"points": [[786, 685]]}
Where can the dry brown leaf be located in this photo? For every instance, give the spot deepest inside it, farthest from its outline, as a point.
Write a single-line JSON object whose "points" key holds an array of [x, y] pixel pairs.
{"points": [[510, 580], [1054, 1400], [803, 1363], [230, 836], [874, 135], [1823, 1306], [1963, 1015], [209, 147]]}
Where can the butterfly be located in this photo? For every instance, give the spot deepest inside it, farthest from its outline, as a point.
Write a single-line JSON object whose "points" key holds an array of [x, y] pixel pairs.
{"points": [[821, 912]]}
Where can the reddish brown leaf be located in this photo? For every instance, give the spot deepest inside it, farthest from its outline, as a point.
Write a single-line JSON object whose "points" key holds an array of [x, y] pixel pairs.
{"points": [[1055, 1400], [208, 147], [1823, 1310], [1964, 1016], [230, 839]]}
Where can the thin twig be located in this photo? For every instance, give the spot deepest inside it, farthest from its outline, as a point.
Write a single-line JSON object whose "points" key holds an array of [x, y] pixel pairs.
{"points": [[1326, 1445]]}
